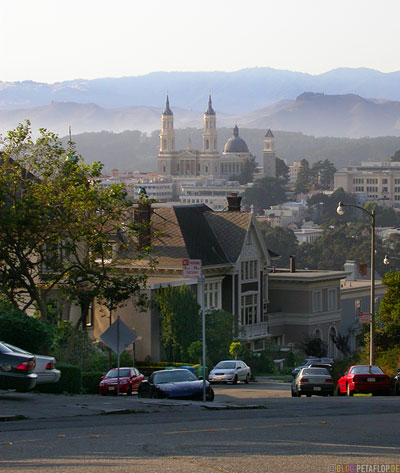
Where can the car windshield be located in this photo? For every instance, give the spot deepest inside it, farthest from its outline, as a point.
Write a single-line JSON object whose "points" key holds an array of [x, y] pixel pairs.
{"points": [[123, 373], [226, 365], [366, 370], [15, 349], [173, 376], [315, 372]]}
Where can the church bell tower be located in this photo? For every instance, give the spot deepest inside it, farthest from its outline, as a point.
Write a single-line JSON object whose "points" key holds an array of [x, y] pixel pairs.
{"points": [[210, 129], [269, 156], [167, 133]]}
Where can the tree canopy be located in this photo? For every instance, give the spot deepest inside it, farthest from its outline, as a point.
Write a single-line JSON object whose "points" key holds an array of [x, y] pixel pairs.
{"points": [[264, 193]]}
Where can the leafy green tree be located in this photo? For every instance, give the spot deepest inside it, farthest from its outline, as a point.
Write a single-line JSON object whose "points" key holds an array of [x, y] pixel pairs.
{"points": [[314, 347], [387, 331], [58, 226], [304, 177], [281, 241], [195, 351], [322, 173], [180, 320], [322, 208], [29, 333], [264, 193], [396, 156], [219, 334], [247, 174], [282, 170], [235, 349]]}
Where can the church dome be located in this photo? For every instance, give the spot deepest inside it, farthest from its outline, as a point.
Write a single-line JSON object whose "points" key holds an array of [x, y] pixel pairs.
{"points": [[235, 144]]}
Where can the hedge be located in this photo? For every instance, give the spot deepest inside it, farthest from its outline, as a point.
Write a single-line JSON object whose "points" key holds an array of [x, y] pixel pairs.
{"points": [[70, 381], [91, 381]]}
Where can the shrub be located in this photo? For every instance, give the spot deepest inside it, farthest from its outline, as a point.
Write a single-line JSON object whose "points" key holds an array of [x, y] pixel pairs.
{"points": [[90, 381], [29, 333], [70, 381]]}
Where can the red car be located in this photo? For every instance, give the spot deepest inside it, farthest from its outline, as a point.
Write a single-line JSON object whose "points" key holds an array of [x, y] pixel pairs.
{"points": [[363, 379], [129, 380]]}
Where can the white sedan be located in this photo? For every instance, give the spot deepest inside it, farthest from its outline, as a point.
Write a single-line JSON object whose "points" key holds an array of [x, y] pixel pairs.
{"points": [[45, 365], [230, 371]]}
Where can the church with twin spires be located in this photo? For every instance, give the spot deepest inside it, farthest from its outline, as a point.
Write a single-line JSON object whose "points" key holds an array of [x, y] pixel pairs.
{"points": [[208, 162]]}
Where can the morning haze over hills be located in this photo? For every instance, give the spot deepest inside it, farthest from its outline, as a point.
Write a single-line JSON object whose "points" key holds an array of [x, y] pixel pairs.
{"points": [[342, 103]]}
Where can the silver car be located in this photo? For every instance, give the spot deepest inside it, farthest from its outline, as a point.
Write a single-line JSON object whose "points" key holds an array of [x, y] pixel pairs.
{"points": [[312, 381], [45, 365], [230, 371]]}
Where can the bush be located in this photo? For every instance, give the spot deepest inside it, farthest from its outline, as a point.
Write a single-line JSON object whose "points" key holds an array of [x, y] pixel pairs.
{"points": [[70, 381], [29, 333], [90, 381]]}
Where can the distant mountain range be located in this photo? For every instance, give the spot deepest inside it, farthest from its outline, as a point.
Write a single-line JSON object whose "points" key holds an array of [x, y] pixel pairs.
{"points": [[314, 114]]}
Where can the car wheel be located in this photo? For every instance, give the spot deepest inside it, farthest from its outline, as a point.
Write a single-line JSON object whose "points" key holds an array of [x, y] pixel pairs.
{"points": [[348, 390], [308, 395], [396, 388], [210, 395], [294, 394], [235, 380], [247, 378]]}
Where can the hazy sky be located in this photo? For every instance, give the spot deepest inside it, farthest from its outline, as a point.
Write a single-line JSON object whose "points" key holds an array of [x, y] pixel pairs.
{"points": [[54, 40]]}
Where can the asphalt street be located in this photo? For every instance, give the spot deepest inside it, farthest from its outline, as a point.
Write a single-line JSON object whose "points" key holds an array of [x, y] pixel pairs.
{"points": [[250, 428]]}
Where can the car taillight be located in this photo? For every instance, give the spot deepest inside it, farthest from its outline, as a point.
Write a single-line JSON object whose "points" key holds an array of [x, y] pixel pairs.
{"points": [[50, 365], [330, 380], [303, 380], [356, 378], [27, 366]]}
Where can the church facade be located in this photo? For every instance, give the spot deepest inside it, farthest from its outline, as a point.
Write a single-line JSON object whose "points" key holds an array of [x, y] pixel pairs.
{"points": [[208, 162]]}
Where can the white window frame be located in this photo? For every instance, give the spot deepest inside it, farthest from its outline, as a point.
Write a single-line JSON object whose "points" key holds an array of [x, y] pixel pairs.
{"points": [[249, 270], [332, 304], [316, 307], [249, 308], [212, 293]]}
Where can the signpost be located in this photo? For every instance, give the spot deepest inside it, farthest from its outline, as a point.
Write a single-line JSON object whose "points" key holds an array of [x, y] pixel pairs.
{"points": [[365, 317], [192, 268], [118, 337]]}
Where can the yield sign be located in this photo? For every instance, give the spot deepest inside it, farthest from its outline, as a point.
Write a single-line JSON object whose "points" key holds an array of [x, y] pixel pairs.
{"points": [[118, 336]]}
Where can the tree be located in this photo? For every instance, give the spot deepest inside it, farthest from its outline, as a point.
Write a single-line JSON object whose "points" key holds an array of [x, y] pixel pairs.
{"points": [[264, 193], [180, 320], [342, 343], [219, 334], [387, 331], [247, 174], [282, 170], [321, 174], [304, 177], [58, 226], [281, 241], [396, 156], [314, 347], [235, 349]]}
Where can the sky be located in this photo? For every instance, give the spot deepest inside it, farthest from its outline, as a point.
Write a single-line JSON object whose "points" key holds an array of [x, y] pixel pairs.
{"points": [[53, 40]]}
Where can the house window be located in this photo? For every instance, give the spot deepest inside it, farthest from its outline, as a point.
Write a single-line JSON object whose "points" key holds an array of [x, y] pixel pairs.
{"points": [[212, 293], [248, 270], [249, 309], [317, 301], [332, 299]]}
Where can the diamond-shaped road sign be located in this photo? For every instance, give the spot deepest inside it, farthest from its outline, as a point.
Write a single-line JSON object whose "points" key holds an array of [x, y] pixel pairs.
{"points": [[118, 336]]}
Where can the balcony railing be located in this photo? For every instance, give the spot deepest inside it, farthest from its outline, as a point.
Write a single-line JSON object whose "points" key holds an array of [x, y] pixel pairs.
{"points": [[251, 332]]}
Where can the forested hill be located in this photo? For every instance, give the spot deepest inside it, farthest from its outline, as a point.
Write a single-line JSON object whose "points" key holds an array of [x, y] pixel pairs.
{"points": [[134, 150]]}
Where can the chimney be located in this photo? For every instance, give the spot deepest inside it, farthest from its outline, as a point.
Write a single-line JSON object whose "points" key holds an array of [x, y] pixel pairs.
{"points": [[292, 264], [351, 267], [143, 219], [234, 202]]}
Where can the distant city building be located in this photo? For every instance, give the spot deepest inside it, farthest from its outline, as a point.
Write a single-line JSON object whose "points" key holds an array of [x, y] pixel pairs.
{"points": [[289, 214], [372, 181], [208, 162], [293, 171]]}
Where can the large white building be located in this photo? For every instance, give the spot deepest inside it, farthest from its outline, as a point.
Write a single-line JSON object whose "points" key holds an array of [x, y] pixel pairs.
{"points": [[208, 162], [372, 181]]}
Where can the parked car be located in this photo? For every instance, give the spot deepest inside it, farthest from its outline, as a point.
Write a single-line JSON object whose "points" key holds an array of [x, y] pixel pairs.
{"points": [[396, 383], [308, 362], [363, 379], [16, 370], [230, 371], [174, 384], [129, 380], [45, 367], [312, 381]]}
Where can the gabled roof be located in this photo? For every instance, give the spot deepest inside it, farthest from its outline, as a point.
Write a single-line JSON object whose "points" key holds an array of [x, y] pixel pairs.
{"points": [[269, 134]]}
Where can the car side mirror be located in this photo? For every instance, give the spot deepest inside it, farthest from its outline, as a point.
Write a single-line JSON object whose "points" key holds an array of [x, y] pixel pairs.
{"points": [[200, 378]]}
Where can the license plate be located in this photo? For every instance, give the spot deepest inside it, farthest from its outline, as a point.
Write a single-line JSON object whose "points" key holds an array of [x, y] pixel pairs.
{"points": [[317, 388], [111, 388], [371, 380]]}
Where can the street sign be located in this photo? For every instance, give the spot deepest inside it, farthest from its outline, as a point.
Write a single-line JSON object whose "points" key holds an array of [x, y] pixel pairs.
{"points": [[118, 336], [364, 317], [191, 268]]}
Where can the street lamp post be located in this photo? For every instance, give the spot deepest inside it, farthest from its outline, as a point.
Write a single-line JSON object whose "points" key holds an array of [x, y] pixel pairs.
{"points": [[340, 211]]}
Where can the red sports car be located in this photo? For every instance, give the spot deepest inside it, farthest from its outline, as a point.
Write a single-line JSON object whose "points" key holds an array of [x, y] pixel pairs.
{"points": [[129, 380], [363, 379]]}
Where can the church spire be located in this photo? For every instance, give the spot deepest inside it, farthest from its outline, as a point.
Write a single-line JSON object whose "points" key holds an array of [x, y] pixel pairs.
{"points": [[210, 110], [167, 110]]}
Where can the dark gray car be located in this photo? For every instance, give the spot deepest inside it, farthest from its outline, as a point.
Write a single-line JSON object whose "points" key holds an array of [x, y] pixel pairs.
{"points": [[312, 381]]}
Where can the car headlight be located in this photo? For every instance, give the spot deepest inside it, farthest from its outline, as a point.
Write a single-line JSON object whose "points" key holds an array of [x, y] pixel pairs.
{"points": [[102, 383]]}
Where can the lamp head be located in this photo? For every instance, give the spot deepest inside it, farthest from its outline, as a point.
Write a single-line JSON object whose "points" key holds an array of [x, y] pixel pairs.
{"points": [[340, 209], [386, 260]]}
